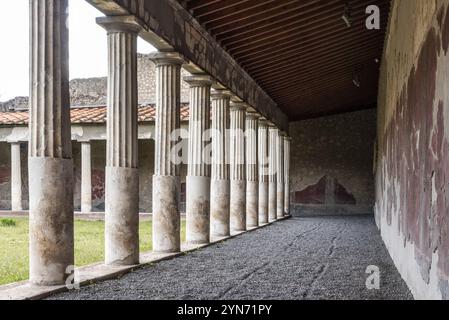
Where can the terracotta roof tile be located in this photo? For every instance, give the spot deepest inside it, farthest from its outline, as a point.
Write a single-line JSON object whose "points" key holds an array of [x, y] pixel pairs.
{"points": [[88, 115]]}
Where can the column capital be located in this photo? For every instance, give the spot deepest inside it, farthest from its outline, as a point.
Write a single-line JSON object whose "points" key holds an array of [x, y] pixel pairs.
{"points": [[238, 106], [263, 122], [114, 24], [271, 125], [251, 115], [199, 80], [283, 134], [166, 58], [220, 94]]}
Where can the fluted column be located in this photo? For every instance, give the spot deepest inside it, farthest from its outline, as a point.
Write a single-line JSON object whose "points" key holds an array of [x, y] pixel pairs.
{"points": [[237, 167], [252, 176], [122, 176], [198, 166], [86, 177], [272, 172], [166, 180], [280, 175], [287, 141], [220, 185], [263, 170], [50, 163], [16, 178]]}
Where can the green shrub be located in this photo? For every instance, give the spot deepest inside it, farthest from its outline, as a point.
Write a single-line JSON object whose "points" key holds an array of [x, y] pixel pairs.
{"points": [[7, 223]]}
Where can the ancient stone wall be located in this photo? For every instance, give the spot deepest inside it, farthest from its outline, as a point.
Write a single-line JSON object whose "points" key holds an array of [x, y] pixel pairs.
{"points": [[412, 176], [93, 91], [332, 164]]}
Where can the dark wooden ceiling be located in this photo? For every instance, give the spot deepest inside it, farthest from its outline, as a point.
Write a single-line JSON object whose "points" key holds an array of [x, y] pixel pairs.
{"points": [[301, 52]]}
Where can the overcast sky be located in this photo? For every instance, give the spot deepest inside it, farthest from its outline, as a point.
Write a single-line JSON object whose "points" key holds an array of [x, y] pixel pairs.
{"points": [[88, 50]]}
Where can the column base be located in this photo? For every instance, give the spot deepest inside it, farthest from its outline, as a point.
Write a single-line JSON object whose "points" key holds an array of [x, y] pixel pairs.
{"points": [[51, 220], [166, 216], [198, 210], [219, 208], [238, 205], [122, 216]]}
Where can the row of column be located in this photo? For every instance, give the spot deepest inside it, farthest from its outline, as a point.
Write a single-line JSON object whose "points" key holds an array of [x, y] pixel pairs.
{"points": [[243, 186]]}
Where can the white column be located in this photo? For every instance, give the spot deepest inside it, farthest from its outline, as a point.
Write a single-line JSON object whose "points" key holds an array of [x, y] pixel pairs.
{"points": [[50, 164], [166, 180], [122, 176], [272, 172], [280, 175], [16, 178], [252, 176], [237, 167], [198, 168], [220, 185], [86, 177], [287, 141], [263, 170]]}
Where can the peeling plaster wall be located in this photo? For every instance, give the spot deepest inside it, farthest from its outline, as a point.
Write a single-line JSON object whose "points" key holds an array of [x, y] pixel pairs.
{"points": [[332, 164], [412, 169]]}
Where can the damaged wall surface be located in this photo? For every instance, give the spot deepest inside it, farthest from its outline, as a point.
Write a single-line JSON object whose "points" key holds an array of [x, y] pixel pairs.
{"points": [[332, 164], [412, 172]]}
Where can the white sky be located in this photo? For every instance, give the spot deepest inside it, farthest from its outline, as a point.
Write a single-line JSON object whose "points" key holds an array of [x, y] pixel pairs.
{"points": [[88, 50]]}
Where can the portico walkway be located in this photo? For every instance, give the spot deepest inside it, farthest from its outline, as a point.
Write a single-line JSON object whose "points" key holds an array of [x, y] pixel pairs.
{"points": [[299, 258]]}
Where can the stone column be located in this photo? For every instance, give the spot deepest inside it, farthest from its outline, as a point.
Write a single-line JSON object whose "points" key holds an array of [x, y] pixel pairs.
{"points": [[272, 172], [122, 176], [287, 141], [86, 177], [166, 180], [198, 166], [252, 176], [16, 178], [280, 175], [263, 170], [50, 163], [220, 185], [237, 167]]}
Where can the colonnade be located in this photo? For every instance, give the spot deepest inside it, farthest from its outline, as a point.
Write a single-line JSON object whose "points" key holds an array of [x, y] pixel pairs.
{"points": [[244, 185]]}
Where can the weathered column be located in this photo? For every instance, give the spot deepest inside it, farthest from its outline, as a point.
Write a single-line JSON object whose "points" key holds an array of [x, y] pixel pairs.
{"points": [[16, 178], [237, 167], [220, 185], [252, 176], [263, 170], [86, 177], [272, 172], [166, 180], [287, 141], [50, 163], [280, 175], [122, 176], [198, 168]]}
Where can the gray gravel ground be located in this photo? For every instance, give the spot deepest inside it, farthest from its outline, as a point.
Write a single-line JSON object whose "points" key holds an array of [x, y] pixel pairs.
{"points": [[299, 258]]}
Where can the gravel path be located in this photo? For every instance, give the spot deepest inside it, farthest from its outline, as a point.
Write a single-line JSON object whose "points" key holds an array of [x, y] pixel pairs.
{"points": [[299, 258]]}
